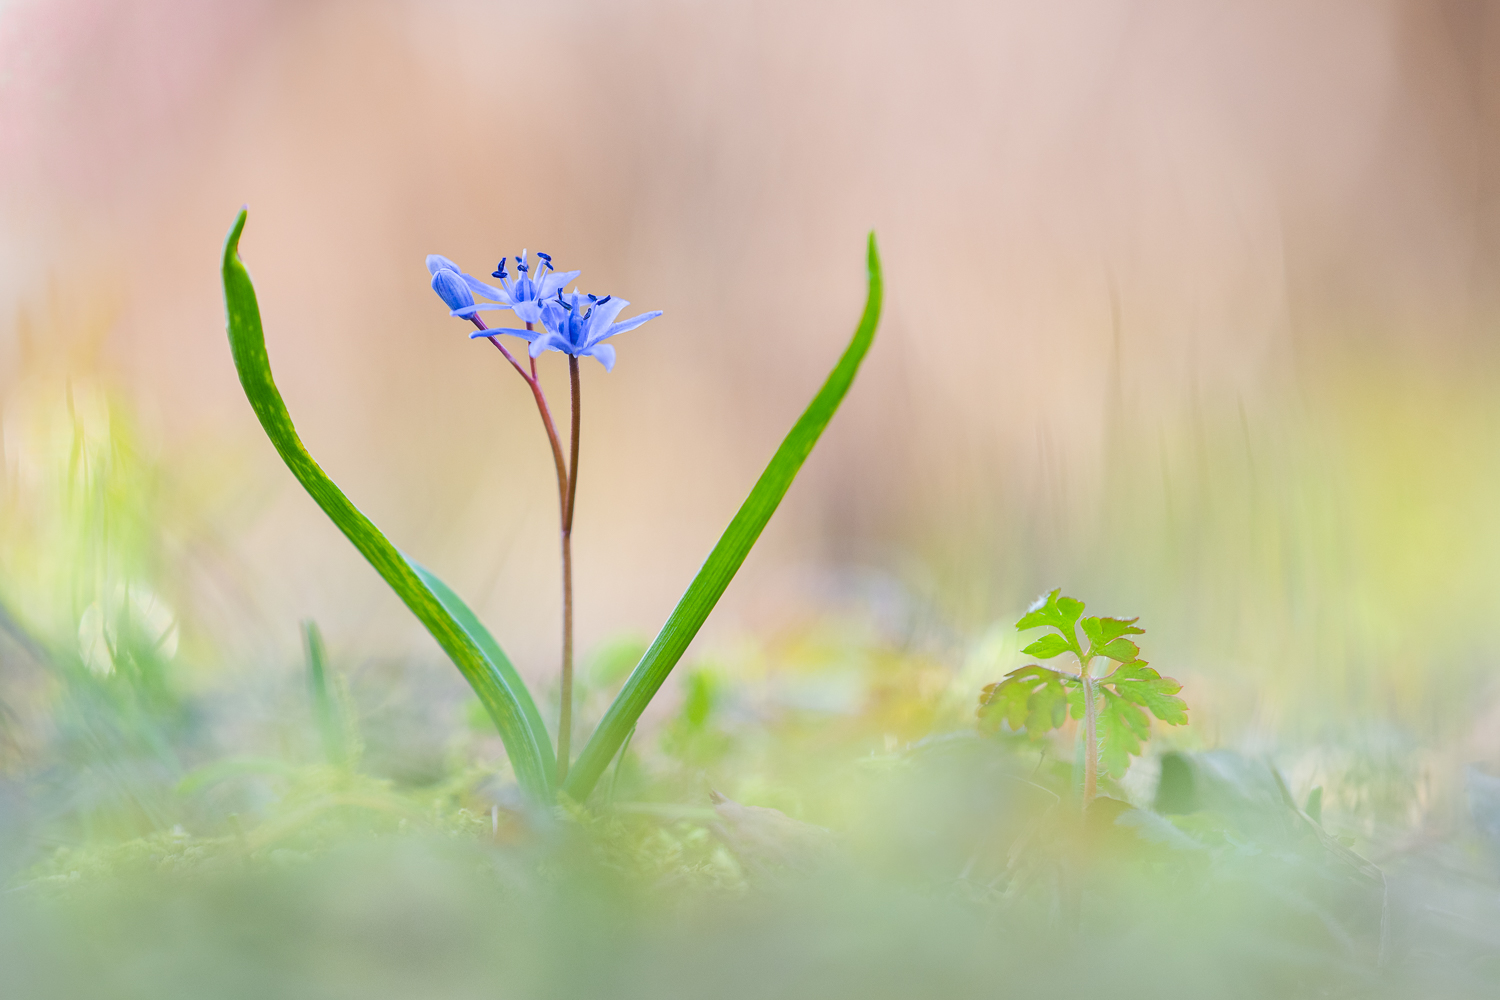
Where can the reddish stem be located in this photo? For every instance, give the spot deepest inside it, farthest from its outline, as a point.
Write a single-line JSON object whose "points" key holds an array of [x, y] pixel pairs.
{"points": [[565, 723], [567, 487], [541, 405]]}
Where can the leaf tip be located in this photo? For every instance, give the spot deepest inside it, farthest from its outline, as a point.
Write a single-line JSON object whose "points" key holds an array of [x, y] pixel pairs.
{"points": [[232, 244]]}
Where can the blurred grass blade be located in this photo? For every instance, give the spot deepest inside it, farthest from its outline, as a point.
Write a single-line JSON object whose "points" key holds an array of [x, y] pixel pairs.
{"points": [[325, 711], [725, 560], [455, 628]]}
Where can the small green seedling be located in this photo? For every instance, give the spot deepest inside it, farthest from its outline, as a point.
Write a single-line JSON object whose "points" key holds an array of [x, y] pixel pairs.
{"points": [[1038, 699]]}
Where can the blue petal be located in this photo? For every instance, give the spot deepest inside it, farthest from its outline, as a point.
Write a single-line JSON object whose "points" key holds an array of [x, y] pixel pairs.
{"points": [[605, 354], [630, 324], [523, 334], [546, 342], [486, 291], [451, 288], [437, 262], [529, 311], [605, 314], [554, 315], [469, 310], [556, 280]]}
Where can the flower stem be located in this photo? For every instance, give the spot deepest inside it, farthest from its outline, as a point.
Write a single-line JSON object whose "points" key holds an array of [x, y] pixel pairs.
{"points": [[541, 405], [565, 722], [1090, 736], [566, 489]]}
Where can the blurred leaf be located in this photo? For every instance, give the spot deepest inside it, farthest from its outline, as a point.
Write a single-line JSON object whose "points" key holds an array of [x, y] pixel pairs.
{"points": [[1004, 701], [701, 696], [324, 707], [730, 552], [454, 627], [1314, 807], [1048, 707], [691, 737], [231, 767], [1048, 646], [1176, 789], [613, 658], [1138, 683], [1033, 696], [1121, 728]]}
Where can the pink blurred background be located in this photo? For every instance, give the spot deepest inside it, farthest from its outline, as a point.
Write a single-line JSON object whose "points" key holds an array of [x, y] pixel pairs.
{"points": [[1190, 224]]}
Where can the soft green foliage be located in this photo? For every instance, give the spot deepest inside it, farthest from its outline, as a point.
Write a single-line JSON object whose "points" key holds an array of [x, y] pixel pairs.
{"points": [[1036, 699], [466, 641]]}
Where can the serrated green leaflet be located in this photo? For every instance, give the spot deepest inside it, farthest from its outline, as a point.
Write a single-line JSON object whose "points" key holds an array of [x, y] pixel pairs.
{"points": [[1033, 697], [1003, 702], [1121, 727], [471, 648], [1119, 649], [727, 556], [1048, 646], [1100, 631], [1056, 612], [1047, 708], [1142, 685]]}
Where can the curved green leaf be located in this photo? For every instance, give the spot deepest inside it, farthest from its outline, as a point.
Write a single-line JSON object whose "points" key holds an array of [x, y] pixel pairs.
{"points": [[471, 624], [455, 628], [725, 560]]}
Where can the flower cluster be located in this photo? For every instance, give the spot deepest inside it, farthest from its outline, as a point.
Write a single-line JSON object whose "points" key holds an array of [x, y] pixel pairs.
{"points": [[570, 322]]}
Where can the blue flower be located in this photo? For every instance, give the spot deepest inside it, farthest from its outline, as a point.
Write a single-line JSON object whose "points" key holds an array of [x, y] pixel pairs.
{"points": [[578, 324], [522, 295]]}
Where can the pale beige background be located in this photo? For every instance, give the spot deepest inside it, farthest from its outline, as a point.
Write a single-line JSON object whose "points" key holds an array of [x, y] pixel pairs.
{"points": [[1256, 186]]}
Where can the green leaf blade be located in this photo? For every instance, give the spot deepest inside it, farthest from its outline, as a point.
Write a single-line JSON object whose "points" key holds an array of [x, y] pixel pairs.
{"points": [[470, 623], [1047, 647], [1118, 649], [1003, 702], [1033, 697], [1055, 611], [1101, 631], [730, 552], [1121, 728], [1141, 685], [498, 687]]}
